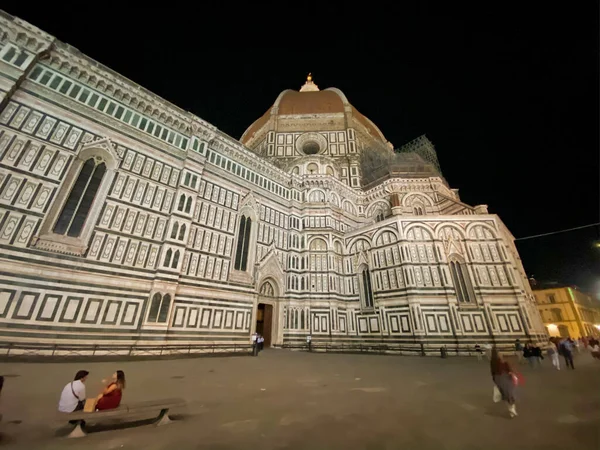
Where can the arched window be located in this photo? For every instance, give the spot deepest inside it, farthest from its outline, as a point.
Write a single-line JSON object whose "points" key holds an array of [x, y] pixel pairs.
{"points": [[367, 290], [241, 256], [163, 315], [316, 196], [188, 205], [168, 256], [302, 319], [181, 204], [418, 210], [302, 283], [462, 282], [78, 204], [175, 260], [174, 230], [182, 232], [154, 307], [159, 308], [69, 223]]}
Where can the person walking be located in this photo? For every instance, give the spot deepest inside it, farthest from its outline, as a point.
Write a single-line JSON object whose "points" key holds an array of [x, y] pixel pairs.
{"points": [[519, 350], [595, 350], [504, 380], [566, 348], [553, 355], [537, 355], [528, 354]]}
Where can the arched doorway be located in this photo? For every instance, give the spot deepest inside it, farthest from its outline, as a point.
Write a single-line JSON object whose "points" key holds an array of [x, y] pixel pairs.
{"points": [[264, 312]]}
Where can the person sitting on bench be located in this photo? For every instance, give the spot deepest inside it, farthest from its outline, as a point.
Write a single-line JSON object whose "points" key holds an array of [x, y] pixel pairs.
{"points": [[72, 397], [112, 394]]}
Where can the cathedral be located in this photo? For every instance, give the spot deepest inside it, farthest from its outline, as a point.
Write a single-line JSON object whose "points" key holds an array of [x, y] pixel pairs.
{"points": [[127, 222]]}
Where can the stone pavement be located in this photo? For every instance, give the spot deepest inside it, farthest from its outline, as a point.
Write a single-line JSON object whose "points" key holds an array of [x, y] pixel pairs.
{"points": [[297, 400]]}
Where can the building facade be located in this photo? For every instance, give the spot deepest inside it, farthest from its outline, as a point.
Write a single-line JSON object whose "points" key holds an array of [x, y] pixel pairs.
{"points": [[124, 219], [568, 312]]}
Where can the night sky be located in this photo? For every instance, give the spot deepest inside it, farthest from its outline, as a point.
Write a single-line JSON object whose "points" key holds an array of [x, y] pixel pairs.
{"points": [[509, 96]]}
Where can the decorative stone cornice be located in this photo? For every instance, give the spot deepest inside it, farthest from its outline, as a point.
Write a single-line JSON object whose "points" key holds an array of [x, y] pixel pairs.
{"points": [[71, 62], [23, 34]]}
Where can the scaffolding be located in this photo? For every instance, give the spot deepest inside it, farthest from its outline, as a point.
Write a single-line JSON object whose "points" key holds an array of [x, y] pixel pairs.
{"points": [[424, 148], [414, 159]]}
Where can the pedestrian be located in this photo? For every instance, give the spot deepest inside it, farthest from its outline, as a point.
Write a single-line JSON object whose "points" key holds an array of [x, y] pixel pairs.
{"points": [[553, 355], [528, 354], [478, 352], [488, 351], [537, 355], [504, 380], [72, 397], [595, 350], [566, 348], [519, 350], [576, 345], [255, 344], [261, 342]]}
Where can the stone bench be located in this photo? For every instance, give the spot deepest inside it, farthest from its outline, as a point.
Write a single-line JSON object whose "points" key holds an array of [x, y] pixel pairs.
{"points": [[124, 411]]}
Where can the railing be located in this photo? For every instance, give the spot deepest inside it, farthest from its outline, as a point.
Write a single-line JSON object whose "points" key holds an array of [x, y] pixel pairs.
{"points": [[393, 349], [108, 351]]}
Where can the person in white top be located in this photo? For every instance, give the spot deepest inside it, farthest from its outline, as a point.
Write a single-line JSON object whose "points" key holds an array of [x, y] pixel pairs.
{"points": [[553, 354], [72, 397]]}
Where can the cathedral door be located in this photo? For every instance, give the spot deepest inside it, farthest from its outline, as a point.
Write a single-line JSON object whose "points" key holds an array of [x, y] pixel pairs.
{"points": [[264, 322]]}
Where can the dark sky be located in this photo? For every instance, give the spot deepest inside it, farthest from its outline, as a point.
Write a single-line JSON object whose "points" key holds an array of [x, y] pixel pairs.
{"points": [[508, 94]]}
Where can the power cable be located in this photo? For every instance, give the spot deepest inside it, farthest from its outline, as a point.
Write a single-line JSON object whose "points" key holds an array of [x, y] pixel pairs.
{"points": [[557, 232]]}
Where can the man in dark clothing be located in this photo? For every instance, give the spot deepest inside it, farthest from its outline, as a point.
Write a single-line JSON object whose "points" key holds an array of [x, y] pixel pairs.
{"points": [[566, 349]]}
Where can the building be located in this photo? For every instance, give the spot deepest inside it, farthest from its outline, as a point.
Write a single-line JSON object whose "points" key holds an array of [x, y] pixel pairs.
{"points": [[124, 219], [567, 312]]}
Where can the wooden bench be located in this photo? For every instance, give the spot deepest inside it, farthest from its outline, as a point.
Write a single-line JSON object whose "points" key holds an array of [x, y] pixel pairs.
{"points": [[124, 411]]}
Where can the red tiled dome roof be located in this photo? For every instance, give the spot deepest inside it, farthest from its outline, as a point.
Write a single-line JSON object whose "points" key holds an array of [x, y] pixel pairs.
{"points": [[309, 102]]}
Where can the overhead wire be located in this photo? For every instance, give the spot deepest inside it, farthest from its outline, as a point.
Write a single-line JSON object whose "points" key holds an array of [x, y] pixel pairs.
{"points": [[557, 232]]}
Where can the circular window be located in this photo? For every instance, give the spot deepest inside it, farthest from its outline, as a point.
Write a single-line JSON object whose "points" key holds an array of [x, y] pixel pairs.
{"points": [[311, 148]]}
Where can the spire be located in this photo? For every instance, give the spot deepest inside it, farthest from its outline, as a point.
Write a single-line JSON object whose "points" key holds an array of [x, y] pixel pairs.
{"points": [[309, 86]]}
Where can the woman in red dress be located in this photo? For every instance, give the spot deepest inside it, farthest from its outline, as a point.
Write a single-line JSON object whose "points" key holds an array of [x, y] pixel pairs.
{"points": [[112, 394]]}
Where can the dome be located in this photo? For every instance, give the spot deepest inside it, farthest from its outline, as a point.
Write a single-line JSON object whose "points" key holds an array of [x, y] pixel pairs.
{"points": [[309, 101]]}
